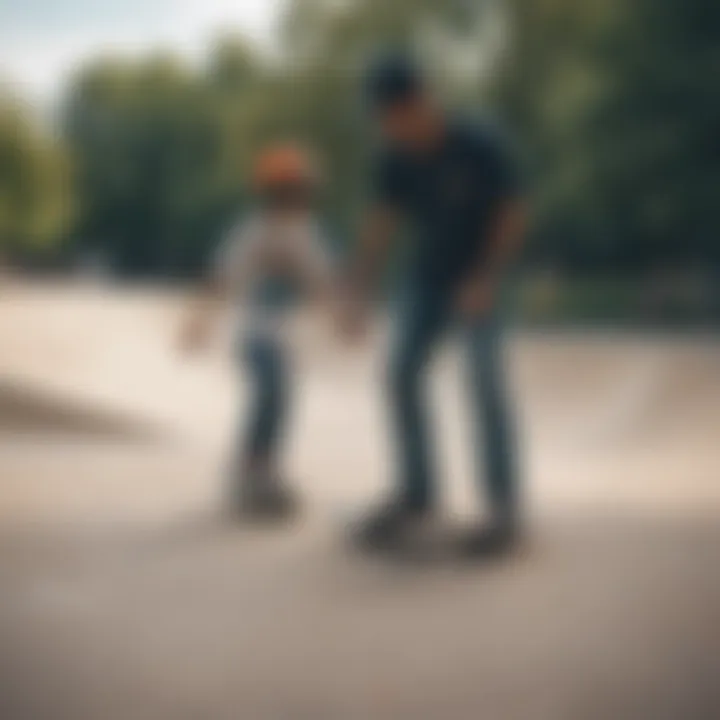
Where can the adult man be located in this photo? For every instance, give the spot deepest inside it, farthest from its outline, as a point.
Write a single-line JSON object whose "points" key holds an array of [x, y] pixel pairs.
{"points": [[455, 184]]}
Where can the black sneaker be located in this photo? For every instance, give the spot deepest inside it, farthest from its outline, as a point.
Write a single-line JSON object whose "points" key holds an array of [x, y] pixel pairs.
{"points": [[391, 526], [490, 542], [264, 499]]}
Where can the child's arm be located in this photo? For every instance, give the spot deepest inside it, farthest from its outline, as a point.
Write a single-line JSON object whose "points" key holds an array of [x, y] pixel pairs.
{"points": [[228, 272], [197, 325], [317, 267]]}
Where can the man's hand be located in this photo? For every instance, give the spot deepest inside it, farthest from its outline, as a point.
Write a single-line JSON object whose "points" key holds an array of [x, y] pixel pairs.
{"points": [[475, 298], [351, 303]]}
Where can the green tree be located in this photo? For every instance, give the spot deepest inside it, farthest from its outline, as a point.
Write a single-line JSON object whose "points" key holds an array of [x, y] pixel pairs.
{"points": [[618, 110], [35, 185], [613, 102]]}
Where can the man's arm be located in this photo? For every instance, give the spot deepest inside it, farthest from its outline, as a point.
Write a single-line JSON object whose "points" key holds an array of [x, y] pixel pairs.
{"points": [[376, 234], [505, 243], [506, 239]]}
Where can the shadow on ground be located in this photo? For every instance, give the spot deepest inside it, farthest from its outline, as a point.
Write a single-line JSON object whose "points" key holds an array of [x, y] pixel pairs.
{"points": [[28, 410], [610, 616]]}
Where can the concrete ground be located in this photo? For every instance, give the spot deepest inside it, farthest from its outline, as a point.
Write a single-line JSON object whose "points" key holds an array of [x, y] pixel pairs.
{"points": [[123, 595]]}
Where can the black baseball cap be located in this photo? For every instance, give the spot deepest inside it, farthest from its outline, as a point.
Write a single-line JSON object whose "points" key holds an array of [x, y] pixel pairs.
{"points": [[390, 80]]}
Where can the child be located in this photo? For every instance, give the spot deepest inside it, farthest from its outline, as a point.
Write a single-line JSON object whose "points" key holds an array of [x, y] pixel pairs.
{"points": [[267, 260]]}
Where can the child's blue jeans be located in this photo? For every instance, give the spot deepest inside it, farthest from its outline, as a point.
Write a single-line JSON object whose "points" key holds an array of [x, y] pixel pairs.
{"points": [[267, 363]]}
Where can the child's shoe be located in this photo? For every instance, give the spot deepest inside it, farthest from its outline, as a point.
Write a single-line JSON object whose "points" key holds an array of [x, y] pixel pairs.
{"points": [[264, 498]]}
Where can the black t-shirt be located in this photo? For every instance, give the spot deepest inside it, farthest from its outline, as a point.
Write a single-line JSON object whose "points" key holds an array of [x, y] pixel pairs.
{"points": [[450, 196]]}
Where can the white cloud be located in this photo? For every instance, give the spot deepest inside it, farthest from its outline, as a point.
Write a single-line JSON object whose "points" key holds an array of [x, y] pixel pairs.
{"points": [[37, 52]]}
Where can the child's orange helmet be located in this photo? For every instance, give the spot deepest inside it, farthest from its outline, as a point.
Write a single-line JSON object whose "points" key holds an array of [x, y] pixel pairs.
{"points": [[283, 165]]}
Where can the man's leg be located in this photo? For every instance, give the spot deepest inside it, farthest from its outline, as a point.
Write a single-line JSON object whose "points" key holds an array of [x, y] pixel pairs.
{"points": [[418, 328], [403, 518], [494, 431]]}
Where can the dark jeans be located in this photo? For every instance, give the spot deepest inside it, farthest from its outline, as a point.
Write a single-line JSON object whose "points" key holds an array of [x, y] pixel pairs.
{"points": [[423, 318], [267, 364]]}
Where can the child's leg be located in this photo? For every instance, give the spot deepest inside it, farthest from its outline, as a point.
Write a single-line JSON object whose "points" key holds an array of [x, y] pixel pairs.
{"points": [[267, 364]]}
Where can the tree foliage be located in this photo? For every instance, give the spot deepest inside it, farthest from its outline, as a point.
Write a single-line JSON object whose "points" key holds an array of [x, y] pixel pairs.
{"points": [[613, 102], [36, 199], [618, 109]]}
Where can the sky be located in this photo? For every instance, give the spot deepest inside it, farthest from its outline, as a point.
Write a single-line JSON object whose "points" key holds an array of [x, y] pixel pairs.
{"points": [[42, 41]]}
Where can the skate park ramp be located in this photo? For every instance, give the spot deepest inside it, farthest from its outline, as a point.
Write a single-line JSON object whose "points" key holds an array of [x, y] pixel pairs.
{"points": [[28, 410], [125, 594]]}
